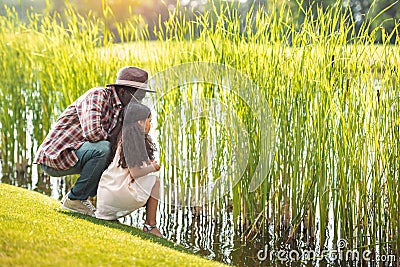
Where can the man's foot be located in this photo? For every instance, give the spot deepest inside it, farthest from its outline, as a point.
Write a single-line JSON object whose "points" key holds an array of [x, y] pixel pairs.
{"points": [[80, 206], [152, 229]]}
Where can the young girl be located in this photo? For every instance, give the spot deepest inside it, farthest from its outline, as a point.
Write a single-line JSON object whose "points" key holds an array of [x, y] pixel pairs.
{"points": [[127, 184]]}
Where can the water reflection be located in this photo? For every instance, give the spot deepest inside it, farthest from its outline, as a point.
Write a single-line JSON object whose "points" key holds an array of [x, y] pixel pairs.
{"points": [[43, 185], [30, 177], [20, 175], [210, 235]]}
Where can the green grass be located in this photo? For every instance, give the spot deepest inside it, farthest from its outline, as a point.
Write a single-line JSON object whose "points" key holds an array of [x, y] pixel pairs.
{"points": [[33, 231]]}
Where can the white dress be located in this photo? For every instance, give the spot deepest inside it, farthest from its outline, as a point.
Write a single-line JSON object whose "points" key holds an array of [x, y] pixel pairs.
{"points": [[117, 195]]}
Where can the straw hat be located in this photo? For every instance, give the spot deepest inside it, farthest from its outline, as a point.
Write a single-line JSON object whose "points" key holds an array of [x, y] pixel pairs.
{"points": [[133, 77]]}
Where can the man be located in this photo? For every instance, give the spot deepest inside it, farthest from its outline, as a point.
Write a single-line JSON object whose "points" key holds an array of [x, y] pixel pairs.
{"points": [[79, 143]]}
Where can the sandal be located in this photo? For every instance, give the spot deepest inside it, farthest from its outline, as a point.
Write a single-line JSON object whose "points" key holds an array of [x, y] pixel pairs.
{"points": [[147, 228]]}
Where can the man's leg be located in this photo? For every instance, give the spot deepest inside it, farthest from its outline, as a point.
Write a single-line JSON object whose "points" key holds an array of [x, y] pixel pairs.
{"points": [[58, 173], [92, 162]]}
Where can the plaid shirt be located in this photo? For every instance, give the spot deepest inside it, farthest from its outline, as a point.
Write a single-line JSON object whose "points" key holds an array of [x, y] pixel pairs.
{"points": [[89, 119]]}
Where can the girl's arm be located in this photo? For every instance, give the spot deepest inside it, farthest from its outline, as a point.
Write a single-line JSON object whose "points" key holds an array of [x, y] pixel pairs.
{"points": [[137, 172]]}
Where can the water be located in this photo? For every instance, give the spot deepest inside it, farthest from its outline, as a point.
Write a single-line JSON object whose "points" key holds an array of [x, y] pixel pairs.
{"points": [[210, 234]]}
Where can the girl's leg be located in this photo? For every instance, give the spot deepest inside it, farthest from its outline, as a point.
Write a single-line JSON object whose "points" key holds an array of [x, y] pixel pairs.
{"points": [[151, 208]]}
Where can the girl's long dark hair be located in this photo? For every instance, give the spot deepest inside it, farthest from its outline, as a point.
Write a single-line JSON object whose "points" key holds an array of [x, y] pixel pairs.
{"points": [[131, 139]]}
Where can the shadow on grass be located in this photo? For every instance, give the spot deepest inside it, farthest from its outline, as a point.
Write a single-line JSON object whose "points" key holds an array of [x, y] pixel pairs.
{"points": [[129, 229]]}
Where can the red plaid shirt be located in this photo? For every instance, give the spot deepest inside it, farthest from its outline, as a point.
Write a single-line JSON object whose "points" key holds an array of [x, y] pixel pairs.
{"points": [[89, 119]]}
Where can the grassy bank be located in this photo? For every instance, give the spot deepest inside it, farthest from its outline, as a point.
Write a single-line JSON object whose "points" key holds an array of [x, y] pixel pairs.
{"points": [[34, 232]]}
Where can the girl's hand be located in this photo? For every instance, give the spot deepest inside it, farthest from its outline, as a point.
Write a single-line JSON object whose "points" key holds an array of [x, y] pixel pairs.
{"points": [[156, 166]]}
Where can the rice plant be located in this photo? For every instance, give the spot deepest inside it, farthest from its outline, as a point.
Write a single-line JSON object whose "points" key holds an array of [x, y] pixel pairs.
{"points": [[332, 92]]}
